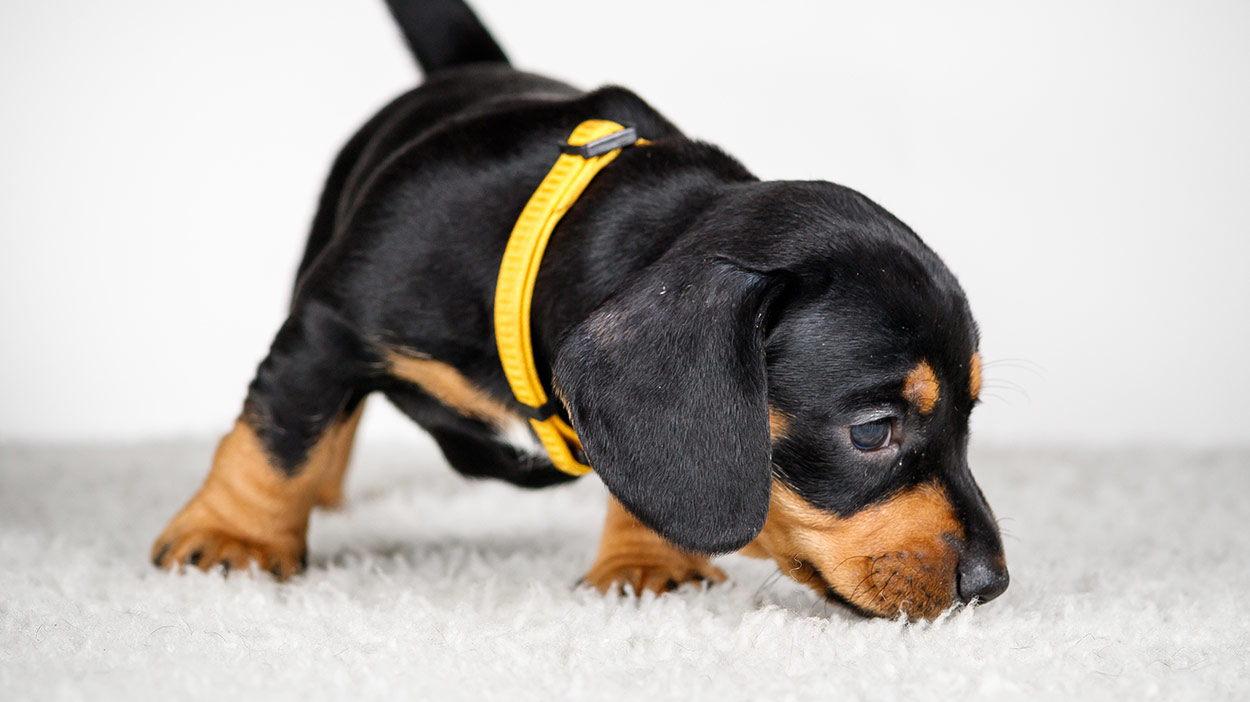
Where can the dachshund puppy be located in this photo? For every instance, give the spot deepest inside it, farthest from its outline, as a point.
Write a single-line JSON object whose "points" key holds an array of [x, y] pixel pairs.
{"points": [[781, 368]]}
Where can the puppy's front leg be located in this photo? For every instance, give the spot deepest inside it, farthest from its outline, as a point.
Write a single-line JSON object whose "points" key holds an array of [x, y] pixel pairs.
{"points": [[330, 494], [631, 554], [269, 471]]}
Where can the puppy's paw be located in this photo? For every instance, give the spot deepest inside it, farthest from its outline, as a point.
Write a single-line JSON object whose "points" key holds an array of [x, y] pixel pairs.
{"points": [[330, 495], [198, 537], [657, 575]]}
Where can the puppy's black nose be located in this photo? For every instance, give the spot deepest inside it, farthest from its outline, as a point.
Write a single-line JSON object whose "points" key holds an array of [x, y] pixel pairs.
{"points": [[981, 576]]}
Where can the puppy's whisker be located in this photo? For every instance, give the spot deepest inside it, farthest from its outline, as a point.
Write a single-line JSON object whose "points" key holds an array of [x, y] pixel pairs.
{"points": [[1015, 364], [996, 389], [829, 575], [1010, 401], [881, 590], [815, 603], [767, 583], [854, 592]]}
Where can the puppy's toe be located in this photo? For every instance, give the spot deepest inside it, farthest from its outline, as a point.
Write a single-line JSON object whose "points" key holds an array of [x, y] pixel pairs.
{"points": [[613, 575], [208, 550]]}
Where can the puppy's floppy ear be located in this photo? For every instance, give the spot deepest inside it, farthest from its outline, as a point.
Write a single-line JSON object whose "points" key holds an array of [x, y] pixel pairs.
{"points": [[665, 384]]}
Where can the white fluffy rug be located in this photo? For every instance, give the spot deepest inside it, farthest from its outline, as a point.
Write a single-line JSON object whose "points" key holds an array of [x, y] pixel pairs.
{"points": [[1129, 581]]}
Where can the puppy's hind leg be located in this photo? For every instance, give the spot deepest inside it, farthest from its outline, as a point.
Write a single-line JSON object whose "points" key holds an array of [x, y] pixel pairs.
{"points": [[631, 554], [269, 471]]}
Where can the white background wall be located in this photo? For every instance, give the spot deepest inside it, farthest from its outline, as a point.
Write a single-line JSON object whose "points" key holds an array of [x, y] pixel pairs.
{"points": [[1083, 167]]}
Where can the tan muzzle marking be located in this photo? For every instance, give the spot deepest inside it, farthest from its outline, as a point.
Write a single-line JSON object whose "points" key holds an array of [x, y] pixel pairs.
{"points": [[895, 556]]}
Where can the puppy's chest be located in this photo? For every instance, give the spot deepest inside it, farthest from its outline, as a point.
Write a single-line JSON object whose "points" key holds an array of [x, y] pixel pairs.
{"points": [[516, 433]]}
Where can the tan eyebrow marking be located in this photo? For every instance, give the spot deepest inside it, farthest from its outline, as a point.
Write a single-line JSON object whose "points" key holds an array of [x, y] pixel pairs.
{"points": [[921, 388], [975, 376]]}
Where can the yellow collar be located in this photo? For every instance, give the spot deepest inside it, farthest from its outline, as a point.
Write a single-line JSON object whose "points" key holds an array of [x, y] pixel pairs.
{"points": [[593, 145]]}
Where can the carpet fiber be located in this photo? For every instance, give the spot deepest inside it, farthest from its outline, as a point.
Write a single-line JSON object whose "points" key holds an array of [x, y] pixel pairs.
{"points": [[1129, 577]]}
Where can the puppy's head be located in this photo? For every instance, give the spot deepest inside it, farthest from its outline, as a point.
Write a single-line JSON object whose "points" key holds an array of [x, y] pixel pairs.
{"points": [[795, 376]]}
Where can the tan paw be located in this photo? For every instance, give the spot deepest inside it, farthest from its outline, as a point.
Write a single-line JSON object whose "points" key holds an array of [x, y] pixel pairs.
{"points": [[197, 538], [613, 574]]}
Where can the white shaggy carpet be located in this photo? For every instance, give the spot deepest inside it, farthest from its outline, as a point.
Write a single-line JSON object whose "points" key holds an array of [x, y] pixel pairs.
{"points": [[1129, 581]]}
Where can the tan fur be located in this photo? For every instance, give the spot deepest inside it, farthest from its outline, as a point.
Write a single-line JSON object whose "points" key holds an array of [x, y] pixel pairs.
{"points": [[974, 379], [249, 510], [754, 550], [778, 424], [890, 558], [921, 388], [449, 387], [330, 493], [630, 553]]}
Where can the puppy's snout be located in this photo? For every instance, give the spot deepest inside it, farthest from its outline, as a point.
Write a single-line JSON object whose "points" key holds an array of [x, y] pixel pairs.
{"points": [[981, 575]]}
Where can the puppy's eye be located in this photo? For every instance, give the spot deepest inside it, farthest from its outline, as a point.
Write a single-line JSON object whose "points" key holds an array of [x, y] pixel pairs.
{"points": [[873, 435]]}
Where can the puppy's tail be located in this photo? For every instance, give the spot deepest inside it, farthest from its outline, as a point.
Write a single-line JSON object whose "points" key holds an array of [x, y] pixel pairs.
{"points": [[445, 33]]}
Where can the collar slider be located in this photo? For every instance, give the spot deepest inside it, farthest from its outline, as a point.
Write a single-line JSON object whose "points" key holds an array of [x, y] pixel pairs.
{"points": [[603, 144]]}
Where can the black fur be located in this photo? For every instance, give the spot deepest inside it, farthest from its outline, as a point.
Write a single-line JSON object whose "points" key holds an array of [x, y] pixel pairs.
{"points": [[666, 385], [678, 300]]}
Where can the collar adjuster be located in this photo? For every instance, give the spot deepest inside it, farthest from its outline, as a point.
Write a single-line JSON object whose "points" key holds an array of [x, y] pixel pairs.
{"points": [[625, 137]]}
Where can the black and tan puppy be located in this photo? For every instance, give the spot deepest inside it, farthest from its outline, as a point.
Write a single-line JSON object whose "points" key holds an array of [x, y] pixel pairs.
{"points": [[778, 367]]}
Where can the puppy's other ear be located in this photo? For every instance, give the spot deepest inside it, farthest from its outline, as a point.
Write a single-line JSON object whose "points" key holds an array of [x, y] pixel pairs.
{"points": [[666, 388]]}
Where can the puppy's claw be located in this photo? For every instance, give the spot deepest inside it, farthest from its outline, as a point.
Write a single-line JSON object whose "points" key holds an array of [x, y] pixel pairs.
{"points": [[158, 554]]}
